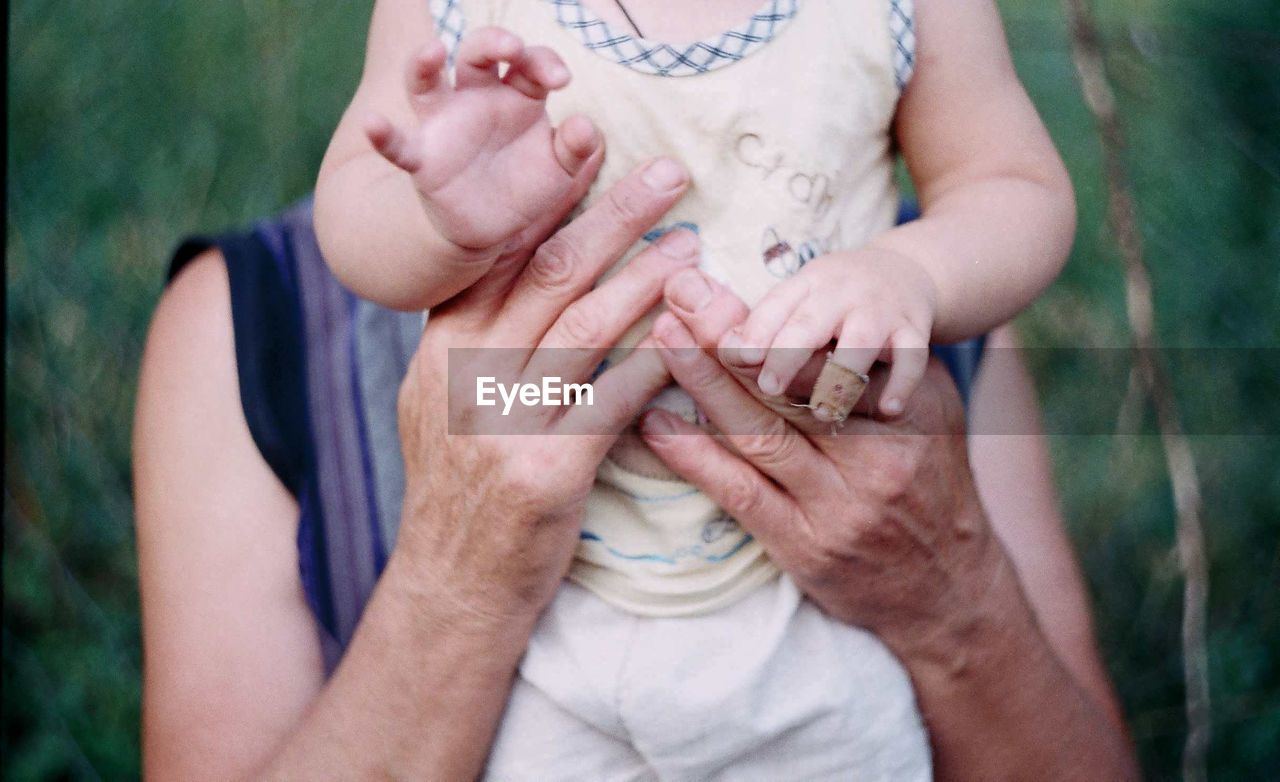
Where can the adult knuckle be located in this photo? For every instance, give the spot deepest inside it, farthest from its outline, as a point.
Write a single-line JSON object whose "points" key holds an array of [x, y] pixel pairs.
{"points": [[700, 372], [582, 326], [696, 371], [624, 206], [743, 495], [891, 475], [521, 479], [809, 564], [553, 264], [836, 544], [770, 443]]}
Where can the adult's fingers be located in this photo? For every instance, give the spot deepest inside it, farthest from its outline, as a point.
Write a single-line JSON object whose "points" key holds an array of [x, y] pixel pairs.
{"points": [[619, 395], [801, 388], [707, 308], [729, 352], [589, 327], [764, 438], [568, 264], [736, 486], [713, 315]]}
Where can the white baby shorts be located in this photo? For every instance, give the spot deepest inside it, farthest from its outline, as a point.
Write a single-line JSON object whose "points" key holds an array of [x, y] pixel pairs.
{"points": [[769, 688]]}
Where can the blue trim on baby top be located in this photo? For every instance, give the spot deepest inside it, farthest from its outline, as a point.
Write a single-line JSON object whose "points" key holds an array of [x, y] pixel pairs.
{"points": [[686, 552]]}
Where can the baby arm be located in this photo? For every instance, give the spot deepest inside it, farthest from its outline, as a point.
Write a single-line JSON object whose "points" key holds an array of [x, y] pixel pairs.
{"points": [[997, 224], [426, 184]]}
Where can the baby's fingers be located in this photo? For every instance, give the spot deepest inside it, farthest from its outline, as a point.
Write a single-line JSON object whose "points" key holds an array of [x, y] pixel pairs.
{"points": [[844, 377], [480, 53], [392, 143], [910, 359], [425, 74], [765, 320], [861, 341], [537, 71], [574, 143], [808, 329]]}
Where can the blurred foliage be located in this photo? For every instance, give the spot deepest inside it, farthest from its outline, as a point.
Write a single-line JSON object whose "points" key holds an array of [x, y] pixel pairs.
{"points": [[133, 124]]}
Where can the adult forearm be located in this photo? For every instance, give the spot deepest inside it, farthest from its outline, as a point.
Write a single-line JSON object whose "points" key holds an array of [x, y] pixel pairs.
{"points": [[419, 693], [997, 701]]}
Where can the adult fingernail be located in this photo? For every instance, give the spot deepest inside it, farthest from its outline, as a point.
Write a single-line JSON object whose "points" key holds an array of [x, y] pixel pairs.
{"points": [[657, 423], [769, 383], [679, 244], [662, 175], [671, 332], [666, 330], [689, 291]]}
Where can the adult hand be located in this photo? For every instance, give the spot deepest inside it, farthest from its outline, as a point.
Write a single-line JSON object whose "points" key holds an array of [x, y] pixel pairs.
{"points": [[493, 501], [490, 520], [881, 526]]}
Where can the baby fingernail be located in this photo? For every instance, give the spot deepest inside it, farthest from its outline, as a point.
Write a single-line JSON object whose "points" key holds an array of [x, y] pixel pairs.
{"points": [[689, 291], [769, 383], [738, 353], [892, 406], [751, 356], [662, 175]]}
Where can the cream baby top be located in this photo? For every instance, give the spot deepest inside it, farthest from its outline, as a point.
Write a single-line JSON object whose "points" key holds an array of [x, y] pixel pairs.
{"points": [[784, 125]]}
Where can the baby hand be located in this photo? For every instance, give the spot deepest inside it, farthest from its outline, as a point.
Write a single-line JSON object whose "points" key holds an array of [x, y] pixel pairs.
{"points": [[484, 155], [877, 305]]}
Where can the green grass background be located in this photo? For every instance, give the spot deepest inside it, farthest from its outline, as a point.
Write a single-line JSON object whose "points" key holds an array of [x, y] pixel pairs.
{"points": [[134, 123]]}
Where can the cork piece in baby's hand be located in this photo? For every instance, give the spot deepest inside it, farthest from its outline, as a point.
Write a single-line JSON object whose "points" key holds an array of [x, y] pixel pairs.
{"points": [[838, 389]]}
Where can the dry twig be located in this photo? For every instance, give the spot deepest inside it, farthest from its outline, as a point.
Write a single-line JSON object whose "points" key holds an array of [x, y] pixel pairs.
{"points": [[1149, 369]]}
